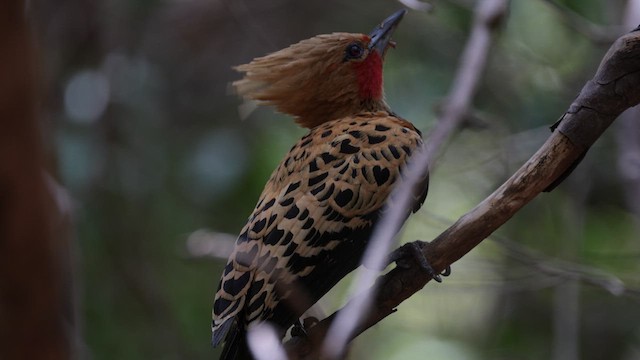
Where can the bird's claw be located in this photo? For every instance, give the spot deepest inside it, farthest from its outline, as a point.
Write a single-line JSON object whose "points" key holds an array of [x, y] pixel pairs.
{"points": [[300, 328], [403, 255]]}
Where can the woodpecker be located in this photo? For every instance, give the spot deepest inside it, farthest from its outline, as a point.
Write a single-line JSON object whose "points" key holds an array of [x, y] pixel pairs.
{"points": [[315, 215]]}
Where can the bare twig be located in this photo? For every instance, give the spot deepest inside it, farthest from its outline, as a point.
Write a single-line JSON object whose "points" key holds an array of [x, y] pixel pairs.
{"points": [[614, 88], [489, 16]]}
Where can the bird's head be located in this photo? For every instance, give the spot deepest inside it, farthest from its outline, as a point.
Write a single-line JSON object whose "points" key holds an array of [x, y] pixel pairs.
{"points": [[322, 78]]}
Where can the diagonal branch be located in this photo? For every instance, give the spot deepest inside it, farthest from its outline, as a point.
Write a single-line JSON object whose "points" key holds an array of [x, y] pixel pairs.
{"points": [[614, 88]]}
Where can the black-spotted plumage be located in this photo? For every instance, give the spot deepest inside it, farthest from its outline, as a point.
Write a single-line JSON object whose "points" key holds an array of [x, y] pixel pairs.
{"points": [[316, 212], [313, 218]]}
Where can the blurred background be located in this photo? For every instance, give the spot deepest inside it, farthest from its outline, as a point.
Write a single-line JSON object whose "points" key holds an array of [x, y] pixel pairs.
{"points": [[147, 141]]}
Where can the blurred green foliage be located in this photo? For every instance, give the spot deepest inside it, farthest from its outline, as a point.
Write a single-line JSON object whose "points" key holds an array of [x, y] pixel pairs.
{"points": [[149, 142]]}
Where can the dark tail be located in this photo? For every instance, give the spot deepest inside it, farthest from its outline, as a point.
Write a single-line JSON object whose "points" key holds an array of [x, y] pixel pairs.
{"points": [[235, 346]]}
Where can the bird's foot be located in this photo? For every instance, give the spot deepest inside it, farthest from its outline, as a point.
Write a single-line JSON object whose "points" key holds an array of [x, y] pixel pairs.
{"points": [[413, 252], [300, 328]]}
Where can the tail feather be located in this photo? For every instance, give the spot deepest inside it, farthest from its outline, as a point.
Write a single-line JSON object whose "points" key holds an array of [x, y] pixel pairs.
{"points": [[235, 346], [219, 332], [235, 340]]}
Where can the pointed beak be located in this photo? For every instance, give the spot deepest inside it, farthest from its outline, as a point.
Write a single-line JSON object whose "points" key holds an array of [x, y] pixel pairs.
{"points": [[381, 35]]}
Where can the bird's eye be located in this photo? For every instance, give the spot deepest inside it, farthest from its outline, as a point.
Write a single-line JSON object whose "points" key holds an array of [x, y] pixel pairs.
{"points": [[354, 51]]}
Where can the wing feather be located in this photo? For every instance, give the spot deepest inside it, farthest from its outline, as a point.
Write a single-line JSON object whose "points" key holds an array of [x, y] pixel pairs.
{"points": [[329, 188]]}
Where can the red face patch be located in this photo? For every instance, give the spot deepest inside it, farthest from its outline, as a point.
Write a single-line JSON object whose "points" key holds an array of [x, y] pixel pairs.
{"points": [[369, 74]]}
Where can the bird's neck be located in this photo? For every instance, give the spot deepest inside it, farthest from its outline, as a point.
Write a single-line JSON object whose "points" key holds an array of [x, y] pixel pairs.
{"points": [[327, 111], [369, 75]]}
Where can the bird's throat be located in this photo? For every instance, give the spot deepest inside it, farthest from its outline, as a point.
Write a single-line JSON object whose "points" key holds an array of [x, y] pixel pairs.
{"points": [[369, 75]]}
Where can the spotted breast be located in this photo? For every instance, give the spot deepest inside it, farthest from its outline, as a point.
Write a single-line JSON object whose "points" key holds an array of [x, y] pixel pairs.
{"points": [[314, 217]]}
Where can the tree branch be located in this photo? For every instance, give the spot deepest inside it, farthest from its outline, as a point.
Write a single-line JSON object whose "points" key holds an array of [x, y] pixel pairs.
{"points": [[614, 88]]}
